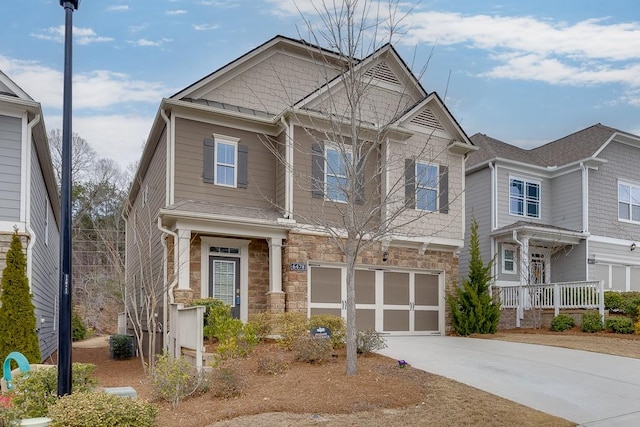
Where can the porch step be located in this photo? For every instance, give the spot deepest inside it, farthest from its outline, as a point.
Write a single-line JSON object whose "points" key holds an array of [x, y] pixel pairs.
{"points": [[122, 391], [207, 358]]}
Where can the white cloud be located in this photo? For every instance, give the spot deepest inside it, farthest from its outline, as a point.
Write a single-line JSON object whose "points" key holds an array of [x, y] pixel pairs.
{"points": [[176, 12], [147, 42], [221, 3], [98, 89], [81, 36], [116, 136], [137, 28], [205, 27], [118, 8]]}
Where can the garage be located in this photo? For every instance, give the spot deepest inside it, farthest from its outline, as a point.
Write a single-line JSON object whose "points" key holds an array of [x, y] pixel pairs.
{"points": [[394, 301]]}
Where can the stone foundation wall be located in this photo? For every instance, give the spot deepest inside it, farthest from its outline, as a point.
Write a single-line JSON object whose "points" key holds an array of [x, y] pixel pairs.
{"points": [[535, 319]]}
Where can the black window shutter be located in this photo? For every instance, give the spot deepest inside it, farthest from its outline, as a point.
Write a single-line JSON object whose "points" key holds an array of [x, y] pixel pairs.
{"points": [[360, 181], [410, 183], [243, 162], [209, 159], [317, 171], [444, 189]]}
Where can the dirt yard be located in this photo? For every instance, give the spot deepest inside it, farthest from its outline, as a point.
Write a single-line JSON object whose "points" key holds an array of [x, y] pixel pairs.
{"points": [[381, 393]]}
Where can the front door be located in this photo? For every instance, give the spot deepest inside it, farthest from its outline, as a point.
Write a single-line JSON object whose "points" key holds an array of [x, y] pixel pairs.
{"points": [[224, 282]]}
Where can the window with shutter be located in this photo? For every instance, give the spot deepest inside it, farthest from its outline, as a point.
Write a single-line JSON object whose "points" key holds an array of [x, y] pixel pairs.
{"points": [[225, 162]]}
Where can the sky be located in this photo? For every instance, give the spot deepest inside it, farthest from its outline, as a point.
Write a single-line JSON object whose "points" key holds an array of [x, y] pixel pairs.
{"points": [[524, 72]]}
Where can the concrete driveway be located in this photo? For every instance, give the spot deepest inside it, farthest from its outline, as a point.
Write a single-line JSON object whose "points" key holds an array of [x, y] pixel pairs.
{"points": [[590, 389]]}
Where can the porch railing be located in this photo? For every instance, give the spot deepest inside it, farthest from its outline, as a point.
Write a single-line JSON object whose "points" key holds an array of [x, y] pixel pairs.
{"points": [[557, 296], [186, 331]]}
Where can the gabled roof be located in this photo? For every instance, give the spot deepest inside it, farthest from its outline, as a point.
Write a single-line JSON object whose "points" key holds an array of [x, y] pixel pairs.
{"points": [[9, 88], [583, 144]]}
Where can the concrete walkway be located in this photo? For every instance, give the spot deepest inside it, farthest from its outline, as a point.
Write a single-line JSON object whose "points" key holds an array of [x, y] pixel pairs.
{"points": [[590, 389]]}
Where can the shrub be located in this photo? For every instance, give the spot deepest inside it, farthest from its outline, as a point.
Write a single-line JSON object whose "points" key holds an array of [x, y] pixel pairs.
{"points": [[313, 350], [562, 322], [78, 328], [630, 304], [34, 392], [216, 313], [271, 364], [612, 301], [121, 346], [591, 322], [17, 313], [7, 416], [101, 409], [261, 324], [290, 326], [173, 379], [227, 381], [369, 341], [619, 324], [335, 323]]}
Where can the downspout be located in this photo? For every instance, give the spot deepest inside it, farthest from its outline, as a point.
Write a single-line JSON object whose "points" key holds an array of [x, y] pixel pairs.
{"points": [[585, 213], [27, 218], [174, 282], [168, 156], [287, 136], [492, 203]]}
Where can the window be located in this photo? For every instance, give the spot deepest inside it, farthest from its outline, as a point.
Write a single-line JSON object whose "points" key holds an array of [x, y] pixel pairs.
{"points": [[508, 261], [628, 202], [224, 279], [335, 177], [426, 187], [524, 198], [225, 167]]}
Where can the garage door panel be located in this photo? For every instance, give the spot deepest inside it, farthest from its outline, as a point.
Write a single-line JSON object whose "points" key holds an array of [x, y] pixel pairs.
{"points": [[396, 320], [366, 319], [365, 287], [331, 311], [426, 289], [326, 285], [426, 320], [396, 288]]}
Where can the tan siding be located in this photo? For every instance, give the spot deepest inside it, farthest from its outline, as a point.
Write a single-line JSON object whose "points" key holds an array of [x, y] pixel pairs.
{"points": [[189, 185], [273, 84]]}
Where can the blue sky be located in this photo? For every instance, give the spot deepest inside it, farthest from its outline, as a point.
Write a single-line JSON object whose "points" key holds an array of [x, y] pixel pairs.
{"points": [[525, 72]]}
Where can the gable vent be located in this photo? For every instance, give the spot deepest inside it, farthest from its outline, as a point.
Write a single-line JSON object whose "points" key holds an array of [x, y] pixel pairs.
{"points": [[382, 72], [426, 118]]}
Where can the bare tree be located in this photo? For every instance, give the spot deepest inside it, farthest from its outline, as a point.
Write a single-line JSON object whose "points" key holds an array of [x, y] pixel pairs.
{"points": [[362, 179]]}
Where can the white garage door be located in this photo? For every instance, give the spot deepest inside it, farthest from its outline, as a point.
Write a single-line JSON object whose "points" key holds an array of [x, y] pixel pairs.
{"points": [[390, 301]]}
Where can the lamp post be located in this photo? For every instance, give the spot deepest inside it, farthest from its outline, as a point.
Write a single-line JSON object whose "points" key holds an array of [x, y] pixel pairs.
{"points": [[64, 320]]}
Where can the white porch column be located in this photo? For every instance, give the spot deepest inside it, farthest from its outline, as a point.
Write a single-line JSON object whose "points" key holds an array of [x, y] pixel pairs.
{"points": [[525, 274], [275, 265], [183, 258]]}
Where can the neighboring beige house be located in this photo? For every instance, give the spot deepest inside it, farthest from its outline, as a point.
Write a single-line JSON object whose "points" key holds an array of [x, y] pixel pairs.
{"points": [[232, 180]]}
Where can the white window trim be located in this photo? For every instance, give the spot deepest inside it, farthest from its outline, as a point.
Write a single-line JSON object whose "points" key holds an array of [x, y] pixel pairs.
{"points": [[504, 259], [628, 184], [436, 188], [524, 208], [227, 140], [328, 145]]}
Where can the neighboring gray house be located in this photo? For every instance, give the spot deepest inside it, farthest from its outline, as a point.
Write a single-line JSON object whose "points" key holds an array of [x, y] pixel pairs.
{"points": [[566, 211], [29, 201], [230, 176]]}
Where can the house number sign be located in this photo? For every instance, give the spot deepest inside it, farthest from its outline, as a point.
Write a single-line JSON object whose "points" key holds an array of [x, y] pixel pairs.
{"points": [[297, 266]]}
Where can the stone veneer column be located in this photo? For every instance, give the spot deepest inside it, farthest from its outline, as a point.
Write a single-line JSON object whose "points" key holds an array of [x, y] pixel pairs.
{"points": [[182, 296]]}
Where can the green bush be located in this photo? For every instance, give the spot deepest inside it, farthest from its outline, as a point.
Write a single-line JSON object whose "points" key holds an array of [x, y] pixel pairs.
{"points": [[34, 392], [290, 326], [562, 322], [101, 409], [313, 350], [335, 323], [619, 324], [591, 322], [612, 300], [261, 323], [630, 304], [227, 381], [173, 379], [121, 346], [369, 341], [78, 328], [17, 313], [215, 313]]}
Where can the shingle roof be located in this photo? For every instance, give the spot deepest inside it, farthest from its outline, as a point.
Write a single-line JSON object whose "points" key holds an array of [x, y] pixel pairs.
{"points": [[579, 145]]}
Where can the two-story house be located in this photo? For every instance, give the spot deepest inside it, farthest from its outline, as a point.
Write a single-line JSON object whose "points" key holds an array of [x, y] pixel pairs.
{"points": [[242, 168], [29, 202], [566, 211]]}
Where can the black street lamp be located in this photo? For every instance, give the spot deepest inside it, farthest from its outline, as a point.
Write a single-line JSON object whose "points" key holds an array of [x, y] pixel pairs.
{"points": [[64, 321]]}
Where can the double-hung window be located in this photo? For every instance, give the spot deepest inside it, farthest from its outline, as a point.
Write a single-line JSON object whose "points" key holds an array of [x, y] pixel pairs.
{"points": [[628, 202], [335, 176], [524, 198], [508, 261], [426, 187], [226, 166]]}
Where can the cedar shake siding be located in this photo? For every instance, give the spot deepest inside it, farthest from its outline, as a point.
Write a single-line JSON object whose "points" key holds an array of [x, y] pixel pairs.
{"points": [[260, 191]]}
